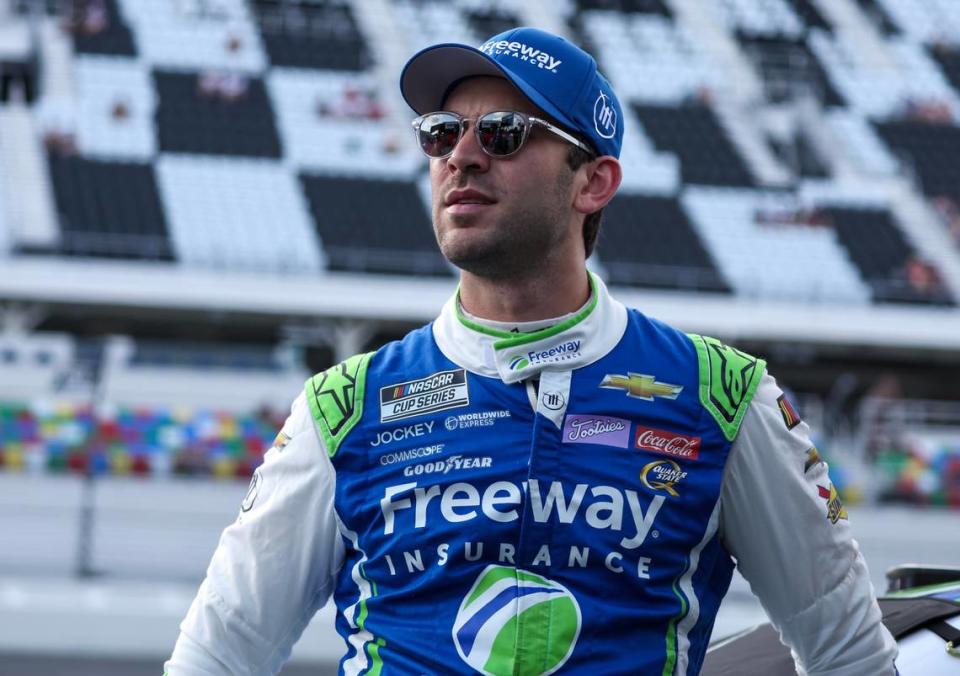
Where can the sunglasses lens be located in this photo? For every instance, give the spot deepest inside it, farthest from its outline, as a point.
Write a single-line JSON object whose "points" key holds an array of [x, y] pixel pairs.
{"points": [[438, 134], [502, 133]]}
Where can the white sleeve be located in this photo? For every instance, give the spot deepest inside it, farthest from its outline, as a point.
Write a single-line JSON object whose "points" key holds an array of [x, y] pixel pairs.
{"points": [[792, 543], [274, 566]]}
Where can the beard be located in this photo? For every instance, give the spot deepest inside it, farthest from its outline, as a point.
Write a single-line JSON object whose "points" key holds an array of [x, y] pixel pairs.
{"points": [[516, 245]]}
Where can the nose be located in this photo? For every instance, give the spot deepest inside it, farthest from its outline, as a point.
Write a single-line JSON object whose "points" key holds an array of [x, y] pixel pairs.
{"points": [[467, 155]]}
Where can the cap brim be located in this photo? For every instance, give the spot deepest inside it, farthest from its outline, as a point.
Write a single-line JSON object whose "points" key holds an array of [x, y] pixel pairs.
{"points": [[432, 73]]}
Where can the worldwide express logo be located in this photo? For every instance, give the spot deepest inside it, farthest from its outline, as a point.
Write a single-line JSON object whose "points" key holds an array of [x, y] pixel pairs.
{"points": [[561, 352]]}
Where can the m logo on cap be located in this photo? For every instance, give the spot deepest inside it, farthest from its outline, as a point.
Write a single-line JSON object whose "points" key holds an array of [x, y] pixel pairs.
{"points": [[604, 117]]}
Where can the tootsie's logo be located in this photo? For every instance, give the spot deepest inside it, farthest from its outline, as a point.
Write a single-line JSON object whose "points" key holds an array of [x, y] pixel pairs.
{"points": [[437, 392], [667, 443], [596, 429], [524, 52]]}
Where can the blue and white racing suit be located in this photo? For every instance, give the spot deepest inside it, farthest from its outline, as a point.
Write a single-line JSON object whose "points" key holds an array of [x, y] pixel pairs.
{"points": [[567, 500]]}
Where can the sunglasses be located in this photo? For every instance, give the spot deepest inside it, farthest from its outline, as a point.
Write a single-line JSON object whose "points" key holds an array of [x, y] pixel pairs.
{"points": [[500, 134]]}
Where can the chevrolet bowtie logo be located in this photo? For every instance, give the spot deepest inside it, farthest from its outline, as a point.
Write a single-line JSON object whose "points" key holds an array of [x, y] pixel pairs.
{"points": [[641, 386]]}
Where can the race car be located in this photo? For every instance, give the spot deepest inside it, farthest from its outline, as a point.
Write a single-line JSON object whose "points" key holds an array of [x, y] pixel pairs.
{"points": [[921, 609]]}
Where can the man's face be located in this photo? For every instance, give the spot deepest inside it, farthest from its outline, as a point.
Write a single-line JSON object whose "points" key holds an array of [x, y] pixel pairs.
{"points": [[501, 218]]}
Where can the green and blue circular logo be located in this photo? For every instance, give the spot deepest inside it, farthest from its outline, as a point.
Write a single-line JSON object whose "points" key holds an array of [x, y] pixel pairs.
{"points": [[505, 602], [518, 362]]}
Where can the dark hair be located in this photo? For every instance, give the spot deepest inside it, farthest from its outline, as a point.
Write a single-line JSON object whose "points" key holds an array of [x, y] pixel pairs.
{"points": [[576, 158]]}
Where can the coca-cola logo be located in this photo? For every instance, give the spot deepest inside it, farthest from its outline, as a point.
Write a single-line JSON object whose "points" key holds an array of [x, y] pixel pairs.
{"points": [[668, 443]]}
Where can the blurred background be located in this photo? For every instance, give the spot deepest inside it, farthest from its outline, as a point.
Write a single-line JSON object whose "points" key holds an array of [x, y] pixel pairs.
{"points": [[202, 202]]}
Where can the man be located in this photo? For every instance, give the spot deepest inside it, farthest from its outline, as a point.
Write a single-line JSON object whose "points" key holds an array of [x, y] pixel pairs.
{"points": [[541, 480]]}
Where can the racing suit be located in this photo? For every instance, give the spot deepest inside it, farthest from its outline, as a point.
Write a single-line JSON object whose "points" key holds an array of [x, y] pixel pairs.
{"points": [[570, 499]]}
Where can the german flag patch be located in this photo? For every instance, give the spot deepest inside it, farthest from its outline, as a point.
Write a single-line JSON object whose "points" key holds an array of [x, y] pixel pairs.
{"points": [[790, 416], [813, 459]]}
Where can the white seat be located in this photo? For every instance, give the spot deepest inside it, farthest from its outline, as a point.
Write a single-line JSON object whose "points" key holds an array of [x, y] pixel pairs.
{"points": [[170, 36], [260, 218], [790, 262]]}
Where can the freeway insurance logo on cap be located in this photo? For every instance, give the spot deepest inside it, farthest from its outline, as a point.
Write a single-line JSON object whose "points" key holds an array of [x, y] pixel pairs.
{"points": [[502, 599]]}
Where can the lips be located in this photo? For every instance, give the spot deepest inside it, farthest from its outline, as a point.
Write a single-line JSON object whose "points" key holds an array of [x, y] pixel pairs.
{"points": [[467, 196]]}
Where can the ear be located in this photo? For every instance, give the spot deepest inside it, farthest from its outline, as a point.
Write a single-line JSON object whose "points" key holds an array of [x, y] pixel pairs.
{"points": [[603, 176]]}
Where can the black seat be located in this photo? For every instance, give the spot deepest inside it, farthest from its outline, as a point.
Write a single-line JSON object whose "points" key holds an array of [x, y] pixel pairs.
{"points": [[373, 225], [109, 209], [648, 241]]}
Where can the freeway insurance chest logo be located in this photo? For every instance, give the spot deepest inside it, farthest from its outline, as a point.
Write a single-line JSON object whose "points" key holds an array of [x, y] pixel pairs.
{"points": [[436, 392], [507, 602]]}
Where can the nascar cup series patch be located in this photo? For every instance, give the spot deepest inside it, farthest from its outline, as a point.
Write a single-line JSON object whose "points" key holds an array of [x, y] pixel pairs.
{"points": [[436, 392], [506, 601]]}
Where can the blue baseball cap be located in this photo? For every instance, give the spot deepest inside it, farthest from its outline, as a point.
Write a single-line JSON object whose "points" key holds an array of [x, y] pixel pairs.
{"points": [[557, 76]]}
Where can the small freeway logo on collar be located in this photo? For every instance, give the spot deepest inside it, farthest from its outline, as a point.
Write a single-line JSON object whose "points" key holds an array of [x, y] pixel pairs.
{"points": [[641, 386]]}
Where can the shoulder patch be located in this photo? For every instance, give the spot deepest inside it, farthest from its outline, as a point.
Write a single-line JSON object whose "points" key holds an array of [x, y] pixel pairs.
{"points": [[336, 399], [728, 381]]}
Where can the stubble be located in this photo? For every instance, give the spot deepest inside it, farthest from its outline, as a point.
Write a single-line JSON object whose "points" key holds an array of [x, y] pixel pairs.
{"points": [[519, 244]]}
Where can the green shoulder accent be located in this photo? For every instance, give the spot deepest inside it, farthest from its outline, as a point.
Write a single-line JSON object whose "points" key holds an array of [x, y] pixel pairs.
{"points": [[336, 399], [728, 381]]}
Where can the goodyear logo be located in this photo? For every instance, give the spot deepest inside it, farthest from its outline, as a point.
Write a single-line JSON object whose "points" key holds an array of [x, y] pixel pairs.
{"points": [[437, 392]]}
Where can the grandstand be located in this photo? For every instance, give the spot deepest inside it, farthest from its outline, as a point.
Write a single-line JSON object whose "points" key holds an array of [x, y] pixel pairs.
{"points": [[202, 202], [237, 177]]}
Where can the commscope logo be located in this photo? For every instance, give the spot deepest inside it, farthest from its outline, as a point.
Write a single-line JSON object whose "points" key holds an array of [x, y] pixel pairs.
{"points": [[561, 352], [411, 454]]}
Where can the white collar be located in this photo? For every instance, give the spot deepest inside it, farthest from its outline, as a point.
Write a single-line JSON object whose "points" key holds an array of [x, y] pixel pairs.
{"points": [[514, 328], [579, 340]]}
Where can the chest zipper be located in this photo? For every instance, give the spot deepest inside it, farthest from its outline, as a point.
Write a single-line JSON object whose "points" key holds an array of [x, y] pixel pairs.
{"points": [[531, 385]]}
